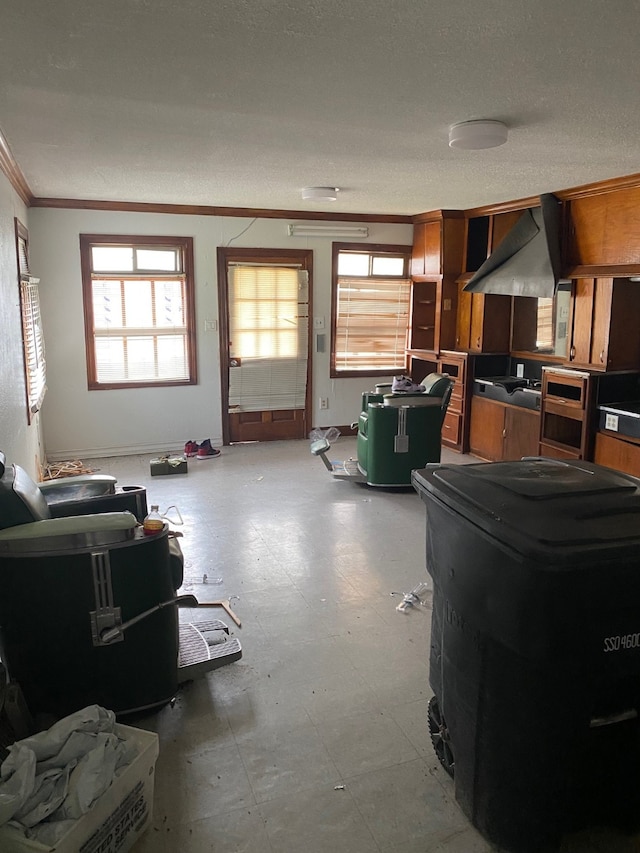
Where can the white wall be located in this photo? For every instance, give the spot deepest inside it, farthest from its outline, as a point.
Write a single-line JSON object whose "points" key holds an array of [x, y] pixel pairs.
{"points": [[19, 441], [78, 422]]}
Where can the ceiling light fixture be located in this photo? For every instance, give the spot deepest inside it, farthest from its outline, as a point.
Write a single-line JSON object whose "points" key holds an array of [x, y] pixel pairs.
{"points": [[320, 193], [473, 135], [329, 230]]}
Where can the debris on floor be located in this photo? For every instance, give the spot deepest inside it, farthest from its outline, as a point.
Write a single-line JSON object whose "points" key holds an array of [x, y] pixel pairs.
{"points": [[65, 469]]}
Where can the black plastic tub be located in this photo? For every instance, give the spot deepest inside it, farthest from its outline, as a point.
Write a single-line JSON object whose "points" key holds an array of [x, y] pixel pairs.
{"points": [[535, 643]]}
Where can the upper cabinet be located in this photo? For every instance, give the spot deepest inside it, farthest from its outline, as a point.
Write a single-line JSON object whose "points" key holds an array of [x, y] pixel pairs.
{"points": [[603, 230], [427, 248], [438, 244], [484, 320], [436, 262], [605, 319]]}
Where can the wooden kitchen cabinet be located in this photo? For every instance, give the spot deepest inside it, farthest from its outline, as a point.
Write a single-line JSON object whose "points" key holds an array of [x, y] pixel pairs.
{"points": [[455, 428], [484, 319], [501, 432], [521, 433], [605, 316], [457, 365], [567, 413], [436, 262], [622, 453], [426, 251], [424, 312], [604, 229], [483, 322]]}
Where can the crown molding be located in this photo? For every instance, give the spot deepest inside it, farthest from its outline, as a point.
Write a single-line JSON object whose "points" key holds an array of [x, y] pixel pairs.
{"points": [[438, 216], [210, 210], [611, 185], [9, 166]]}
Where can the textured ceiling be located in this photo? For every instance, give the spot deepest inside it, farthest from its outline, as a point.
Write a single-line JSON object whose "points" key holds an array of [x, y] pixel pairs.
{"points": [[241, 103]]}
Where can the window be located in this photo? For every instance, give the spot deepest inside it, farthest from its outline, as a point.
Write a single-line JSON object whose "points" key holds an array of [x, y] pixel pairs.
{"points": [[370, 309], [268, 334], [32, 334], [139, 311], [540, 325]]}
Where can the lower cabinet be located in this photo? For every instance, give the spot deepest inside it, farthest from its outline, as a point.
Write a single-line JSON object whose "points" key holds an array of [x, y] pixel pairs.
{"points": [[502, 432], [623, 454]]}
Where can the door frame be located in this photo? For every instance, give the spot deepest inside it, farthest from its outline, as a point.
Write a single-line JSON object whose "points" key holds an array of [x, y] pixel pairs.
{"points": [[286, 257]]}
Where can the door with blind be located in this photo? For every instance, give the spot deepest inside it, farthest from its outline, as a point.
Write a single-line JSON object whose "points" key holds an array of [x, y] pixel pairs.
{"points": [[264, 298]]}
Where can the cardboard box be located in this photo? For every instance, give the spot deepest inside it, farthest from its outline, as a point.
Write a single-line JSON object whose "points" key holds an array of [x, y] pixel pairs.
{"points": [[116, 820], [168, 465]]}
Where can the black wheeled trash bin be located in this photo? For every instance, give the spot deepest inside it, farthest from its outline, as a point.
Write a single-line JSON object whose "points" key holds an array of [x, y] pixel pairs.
{"points": [[535, 643]]}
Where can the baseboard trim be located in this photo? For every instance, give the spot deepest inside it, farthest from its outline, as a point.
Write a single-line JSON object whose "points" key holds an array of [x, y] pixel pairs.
{"points": [[171, 447]]}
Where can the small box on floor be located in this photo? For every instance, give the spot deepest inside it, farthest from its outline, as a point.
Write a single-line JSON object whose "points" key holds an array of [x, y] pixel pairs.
{"points": [[116, 820], [168, 465]]}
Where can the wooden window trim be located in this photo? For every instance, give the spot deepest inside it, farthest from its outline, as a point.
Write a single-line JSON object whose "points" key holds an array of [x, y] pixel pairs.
{"points": [[186, 246], [368, 248]]}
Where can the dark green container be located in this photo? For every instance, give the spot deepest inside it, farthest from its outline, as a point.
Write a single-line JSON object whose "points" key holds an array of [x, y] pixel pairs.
{"points": [[51, 603]]}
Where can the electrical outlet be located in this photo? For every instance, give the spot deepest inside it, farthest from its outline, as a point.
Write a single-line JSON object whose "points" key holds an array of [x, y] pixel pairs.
{"points": [[324, 402], [520, 371]]}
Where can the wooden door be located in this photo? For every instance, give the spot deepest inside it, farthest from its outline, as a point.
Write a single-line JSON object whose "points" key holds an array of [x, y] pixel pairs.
{"points": [[476, 331], [620, 342], [463, 327], [486, 430], [427, 246], [580, 351], [601, 322], [521, 433], [259, 400]]}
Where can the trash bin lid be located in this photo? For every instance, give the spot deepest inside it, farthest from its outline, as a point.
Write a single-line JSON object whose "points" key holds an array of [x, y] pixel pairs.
{"points": [[538, 503]]}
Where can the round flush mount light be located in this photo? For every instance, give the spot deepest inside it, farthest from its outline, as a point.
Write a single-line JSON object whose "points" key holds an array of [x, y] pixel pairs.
{"points": [[320, 193], [473, 135]]}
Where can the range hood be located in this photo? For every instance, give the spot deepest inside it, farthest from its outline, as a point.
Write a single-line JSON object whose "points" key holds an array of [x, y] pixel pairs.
{"points": [[527, 261]]}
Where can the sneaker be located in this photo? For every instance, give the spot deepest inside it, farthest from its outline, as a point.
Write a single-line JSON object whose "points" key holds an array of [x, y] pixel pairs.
{"points": [[191, 448], [405, 385], [205, 451]]}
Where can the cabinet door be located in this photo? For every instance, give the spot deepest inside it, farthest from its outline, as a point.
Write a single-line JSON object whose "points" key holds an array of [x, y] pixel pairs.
{"points": [[618, 454], [476, 331], [618, 346], [601, 321], [463, 326], [583, 294], [606, 312], [427, 245], [605, 228], [521, 433], [486, 430], [490, 323]]}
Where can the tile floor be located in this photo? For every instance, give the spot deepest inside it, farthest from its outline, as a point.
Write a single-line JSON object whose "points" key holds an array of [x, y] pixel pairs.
{"points": [[317, 739]]}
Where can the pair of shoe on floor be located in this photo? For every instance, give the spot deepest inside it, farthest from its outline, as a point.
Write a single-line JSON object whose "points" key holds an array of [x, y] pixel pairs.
{"points": [[201, 451]]}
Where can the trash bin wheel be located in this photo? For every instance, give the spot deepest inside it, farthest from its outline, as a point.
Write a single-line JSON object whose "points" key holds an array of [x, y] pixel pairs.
{"points": [[440, 736]]}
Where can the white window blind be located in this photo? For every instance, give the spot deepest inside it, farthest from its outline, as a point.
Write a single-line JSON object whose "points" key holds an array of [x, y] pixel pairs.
{"points": [[33, 342], [372, 316], [268, 334], [140, 329], [545, 332]]}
